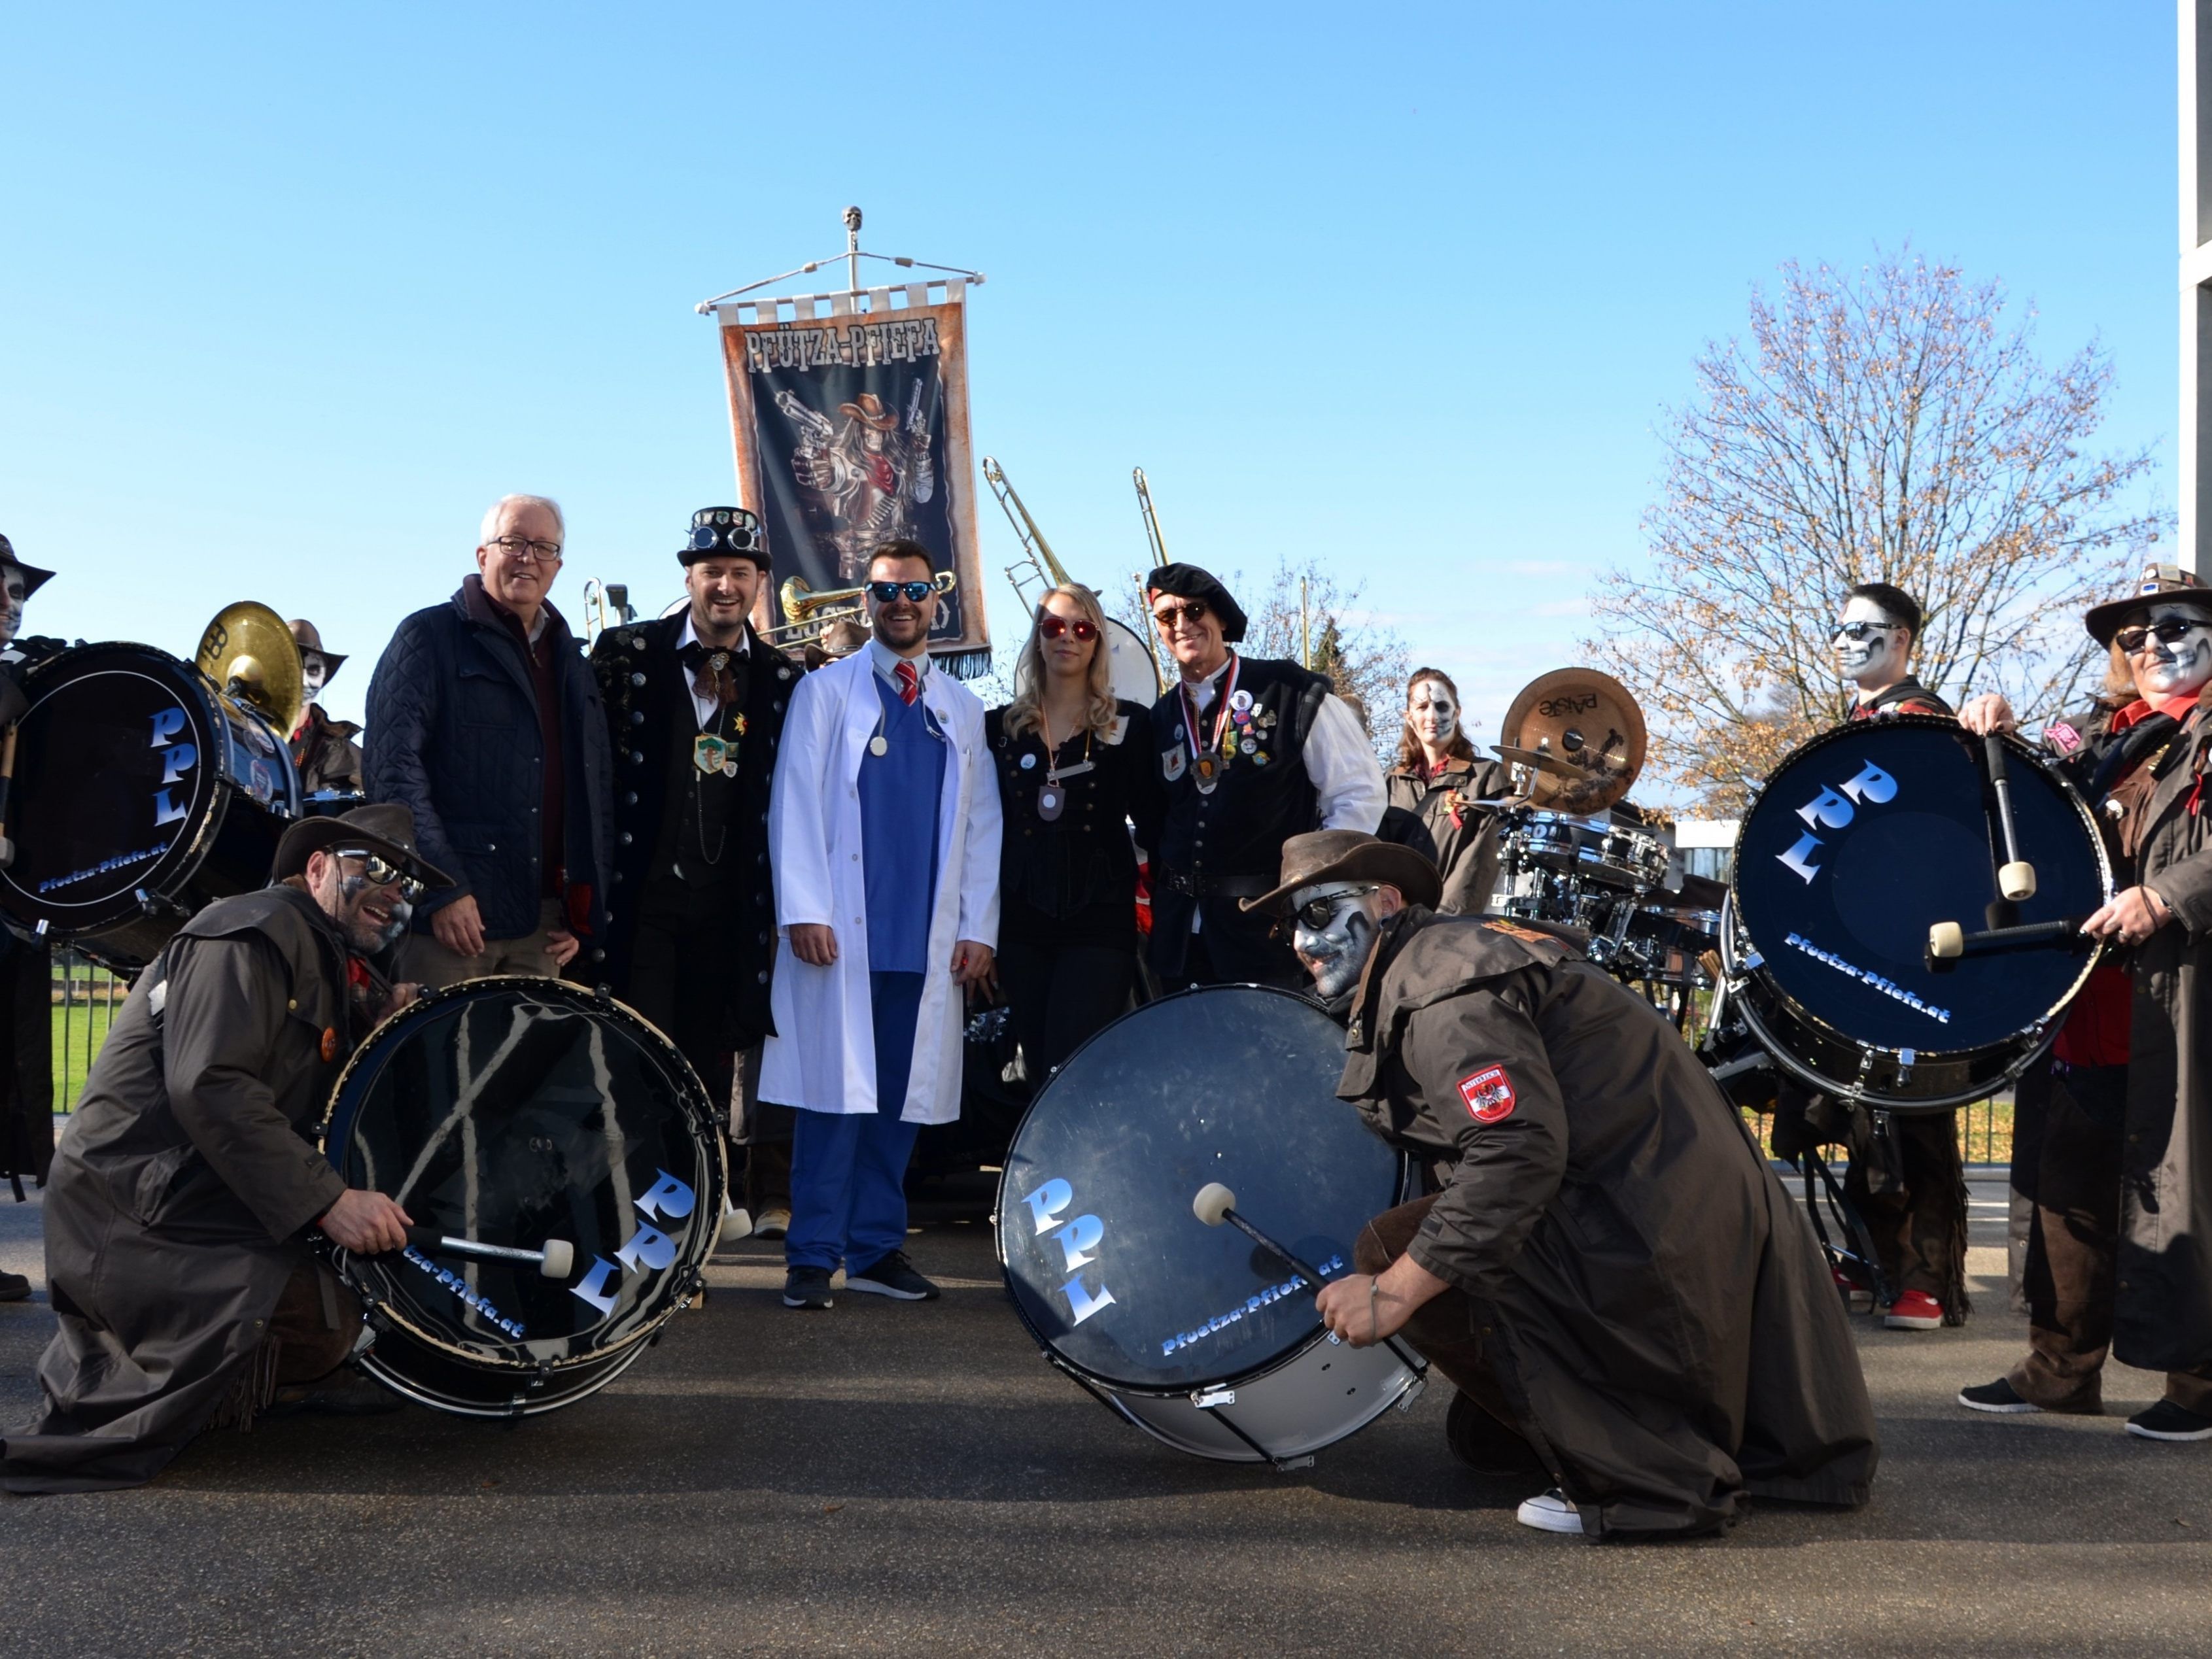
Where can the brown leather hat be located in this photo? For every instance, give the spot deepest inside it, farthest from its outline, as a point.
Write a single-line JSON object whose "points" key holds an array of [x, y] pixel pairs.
{"points": [[1349, 855], [387, 830], [305, 636], [2167, 582]]}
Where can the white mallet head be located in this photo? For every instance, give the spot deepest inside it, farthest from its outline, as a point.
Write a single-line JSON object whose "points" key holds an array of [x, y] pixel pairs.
{"points": [[1213, 1203], [1947, 941], [2017, 881], [736, 1224], [560, 1257]]}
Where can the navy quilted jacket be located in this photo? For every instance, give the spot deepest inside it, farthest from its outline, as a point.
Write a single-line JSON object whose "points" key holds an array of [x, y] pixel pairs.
{"points": [[454, 734]]}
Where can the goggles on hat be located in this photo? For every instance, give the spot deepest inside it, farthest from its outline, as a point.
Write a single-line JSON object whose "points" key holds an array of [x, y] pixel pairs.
{"points": [[739, 538]]}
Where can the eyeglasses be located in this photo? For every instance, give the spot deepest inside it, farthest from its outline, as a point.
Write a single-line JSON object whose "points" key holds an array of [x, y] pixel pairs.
{"points": [[1054, 627], [1169, 616], [2132, 640], [381, 874], [1314, 913], [915, 593], [522, 549], [1859, 632]]}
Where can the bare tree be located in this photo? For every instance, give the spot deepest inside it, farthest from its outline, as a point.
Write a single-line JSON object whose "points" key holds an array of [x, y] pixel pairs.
{"points": [[1887, 426]]}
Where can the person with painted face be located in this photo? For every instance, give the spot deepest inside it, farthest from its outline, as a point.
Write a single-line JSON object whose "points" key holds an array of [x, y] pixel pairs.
{"points": [[186, 1181], [2119, 1253], [1633, 1311], [1874, 640], [1437, 779], [695, 704], [27, 1081], [1252, 750], [323, 750], [884, 831]]}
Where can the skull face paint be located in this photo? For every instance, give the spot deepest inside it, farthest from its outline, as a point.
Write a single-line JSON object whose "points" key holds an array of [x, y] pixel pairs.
{"points": [[313, 672], [1876, 659], [1432, 713], [2171, 668], [373, 917], [11, 603], [1335, 953]]}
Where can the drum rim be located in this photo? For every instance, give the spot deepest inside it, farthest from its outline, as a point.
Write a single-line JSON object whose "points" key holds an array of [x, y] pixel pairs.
{"points": [[2037, 1032], [1075, 1369], [692, 1093]]}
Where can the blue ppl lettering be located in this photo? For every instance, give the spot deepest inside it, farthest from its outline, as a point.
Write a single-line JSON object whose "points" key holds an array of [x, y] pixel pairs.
{"points": [[647, 1249], [1832, 809], [180, 758], [1079, 1242]]}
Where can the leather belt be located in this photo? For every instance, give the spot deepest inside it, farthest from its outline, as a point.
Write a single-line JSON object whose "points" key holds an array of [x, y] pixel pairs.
{"points": [[1214, 886]]}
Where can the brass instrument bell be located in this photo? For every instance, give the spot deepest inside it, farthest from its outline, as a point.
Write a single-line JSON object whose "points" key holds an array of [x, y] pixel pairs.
{"points": [[249, 653]]}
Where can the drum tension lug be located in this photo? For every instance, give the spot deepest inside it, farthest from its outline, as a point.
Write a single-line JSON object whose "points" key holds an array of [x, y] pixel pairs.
{"points": [[1208, 1399]]}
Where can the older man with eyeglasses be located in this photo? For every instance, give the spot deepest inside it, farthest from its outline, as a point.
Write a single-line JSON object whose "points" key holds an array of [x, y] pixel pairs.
{"points": [[486, 722]]}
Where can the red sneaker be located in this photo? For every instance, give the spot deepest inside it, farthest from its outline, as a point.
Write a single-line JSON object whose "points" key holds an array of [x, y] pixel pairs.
{"points": [[1915, 1310], [1856, 1297]]}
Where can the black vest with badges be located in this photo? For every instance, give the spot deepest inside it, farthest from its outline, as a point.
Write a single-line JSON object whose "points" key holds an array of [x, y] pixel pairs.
{"points": [[1262, 795], [696, 849]]}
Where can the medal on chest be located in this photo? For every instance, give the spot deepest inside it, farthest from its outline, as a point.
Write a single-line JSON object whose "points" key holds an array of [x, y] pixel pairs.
{"points": [[1052, 801], [711, 754]]}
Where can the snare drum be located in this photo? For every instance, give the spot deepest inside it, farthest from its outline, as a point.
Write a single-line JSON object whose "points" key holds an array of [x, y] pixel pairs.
{"points": [[514, 1111], [1194, 1333], [1593, 849], [1861, 841], [142, 794]]}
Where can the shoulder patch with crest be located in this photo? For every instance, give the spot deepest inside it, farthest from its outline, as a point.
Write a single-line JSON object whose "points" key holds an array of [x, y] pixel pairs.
{"points": [[1488, 1094]]}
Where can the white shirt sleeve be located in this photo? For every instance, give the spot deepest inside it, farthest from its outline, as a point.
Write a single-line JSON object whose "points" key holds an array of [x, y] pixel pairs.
{"points": [[1345, 774]]}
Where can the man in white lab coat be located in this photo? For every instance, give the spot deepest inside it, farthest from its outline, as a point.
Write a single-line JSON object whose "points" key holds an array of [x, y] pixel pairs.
{"points": [[884, 838]]}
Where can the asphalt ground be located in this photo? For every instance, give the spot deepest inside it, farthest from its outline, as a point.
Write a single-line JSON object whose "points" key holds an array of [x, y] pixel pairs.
{"points": [[890, 1478]]}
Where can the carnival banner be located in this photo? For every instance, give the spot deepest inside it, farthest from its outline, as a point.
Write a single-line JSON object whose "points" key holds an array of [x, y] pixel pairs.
{"points": [[851, 428]]}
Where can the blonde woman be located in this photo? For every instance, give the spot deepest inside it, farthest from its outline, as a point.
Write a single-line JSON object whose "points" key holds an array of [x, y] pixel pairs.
{"points": [[1072, 778]]}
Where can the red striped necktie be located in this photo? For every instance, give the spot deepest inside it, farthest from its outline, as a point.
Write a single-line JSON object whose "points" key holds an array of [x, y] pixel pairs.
{"points": [[909, 684]]}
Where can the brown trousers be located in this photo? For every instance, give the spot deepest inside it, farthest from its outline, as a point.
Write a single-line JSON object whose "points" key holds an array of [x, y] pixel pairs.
{"points": [[1447, 1328], [2073, 1250], [314, 1326], [1920, 1224]]}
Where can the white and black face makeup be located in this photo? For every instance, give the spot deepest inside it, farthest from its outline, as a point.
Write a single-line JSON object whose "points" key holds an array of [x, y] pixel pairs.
{"points": [[1432, 713], [371, 916], [1870, 644], [313, 672], [2168, 667], [11, 603], [1336, 924]]}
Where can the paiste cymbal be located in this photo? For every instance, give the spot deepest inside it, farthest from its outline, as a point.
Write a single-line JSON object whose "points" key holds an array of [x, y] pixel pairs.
{"points": [[249, 652], [1585, 723]]}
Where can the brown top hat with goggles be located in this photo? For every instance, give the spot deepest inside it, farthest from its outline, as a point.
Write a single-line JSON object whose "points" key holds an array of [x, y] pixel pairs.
{"points": [[386, 831], [1327, 855]]}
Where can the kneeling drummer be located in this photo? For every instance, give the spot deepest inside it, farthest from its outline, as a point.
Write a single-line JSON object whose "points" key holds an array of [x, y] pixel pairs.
{"points": [[1631, 1306]]}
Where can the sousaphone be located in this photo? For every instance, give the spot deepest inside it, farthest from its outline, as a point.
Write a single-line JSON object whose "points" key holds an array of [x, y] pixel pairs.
{"points": [[249, 653], [1577, 739]]}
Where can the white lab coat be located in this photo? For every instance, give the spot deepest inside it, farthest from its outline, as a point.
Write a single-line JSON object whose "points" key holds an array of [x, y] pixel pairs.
{"points": [[822, 1057]]}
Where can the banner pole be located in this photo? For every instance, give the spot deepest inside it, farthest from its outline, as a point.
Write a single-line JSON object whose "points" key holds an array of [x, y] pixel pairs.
{"points": [[852, 250]]}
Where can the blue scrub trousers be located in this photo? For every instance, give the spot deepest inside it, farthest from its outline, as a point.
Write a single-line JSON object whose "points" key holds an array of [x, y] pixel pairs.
{"points": [[848, 1169]]}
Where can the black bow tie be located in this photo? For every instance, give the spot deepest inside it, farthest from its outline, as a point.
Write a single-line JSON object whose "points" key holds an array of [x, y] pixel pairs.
{"points": [[714, 671]]}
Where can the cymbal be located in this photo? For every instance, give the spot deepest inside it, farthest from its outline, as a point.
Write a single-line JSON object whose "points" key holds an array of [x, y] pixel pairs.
{"points": [[1586, 724], [248, 651]]}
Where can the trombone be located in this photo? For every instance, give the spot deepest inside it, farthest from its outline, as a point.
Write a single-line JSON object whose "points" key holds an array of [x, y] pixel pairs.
{"points": [[1151, 518], [1036, 563], [807, 615]]}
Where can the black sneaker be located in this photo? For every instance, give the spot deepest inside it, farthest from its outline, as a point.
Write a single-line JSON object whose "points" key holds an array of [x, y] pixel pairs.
{"points": [[1485, 1445], [807, 1287], [2167, 1421], [1998, 1396], [894, 1276], [14, 1287]]}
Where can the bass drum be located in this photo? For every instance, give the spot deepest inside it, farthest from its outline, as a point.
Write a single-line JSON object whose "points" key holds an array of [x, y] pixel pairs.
{"points": [[1194, 1333], [1864, 839], [1136, 670], [514, 1111], [141, 794]]}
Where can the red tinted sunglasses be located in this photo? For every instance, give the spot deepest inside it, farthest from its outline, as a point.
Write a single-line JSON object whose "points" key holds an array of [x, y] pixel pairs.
{"points": [[1053, 627]]}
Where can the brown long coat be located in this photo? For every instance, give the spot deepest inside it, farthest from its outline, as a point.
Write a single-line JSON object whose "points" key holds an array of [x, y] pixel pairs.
{"points": [[325, 754], [2163, 1318], [1467, 851], [181, 1189], [1664, 1320]]}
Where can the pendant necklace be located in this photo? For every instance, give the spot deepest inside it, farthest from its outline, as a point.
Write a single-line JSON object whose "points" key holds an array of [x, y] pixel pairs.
{"points": [[1052, 794], [1206, 764], [725, 763]]}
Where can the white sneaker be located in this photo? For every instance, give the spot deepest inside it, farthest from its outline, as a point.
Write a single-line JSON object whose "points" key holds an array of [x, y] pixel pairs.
{"points": [[1550, 1511]]}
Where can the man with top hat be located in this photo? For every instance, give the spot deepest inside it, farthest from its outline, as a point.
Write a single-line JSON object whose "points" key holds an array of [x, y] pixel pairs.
{"points": [[1633, 1311], [323, 750], [188, 1178], [1252, 750], [696, 704], [26, 1082], [2119, 1250]]}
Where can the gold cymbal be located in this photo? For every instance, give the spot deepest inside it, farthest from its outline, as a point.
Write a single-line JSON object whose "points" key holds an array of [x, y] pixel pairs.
{"points": [[1586, 734], [248, 651]]}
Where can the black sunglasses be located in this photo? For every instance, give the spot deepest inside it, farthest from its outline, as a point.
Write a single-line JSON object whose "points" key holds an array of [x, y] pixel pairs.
{"points": [[2132, 640], [1863, 630], [1169, 615], [884, 593], [381, 874], [1314, 913]]}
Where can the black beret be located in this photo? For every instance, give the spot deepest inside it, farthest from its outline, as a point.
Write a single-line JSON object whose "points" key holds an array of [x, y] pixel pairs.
{"points": [[1188, 581]]}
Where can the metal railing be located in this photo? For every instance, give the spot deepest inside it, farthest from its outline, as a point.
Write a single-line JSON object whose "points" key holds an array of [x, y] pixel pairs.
{"points": [[1985, 1131], [86, 999]]}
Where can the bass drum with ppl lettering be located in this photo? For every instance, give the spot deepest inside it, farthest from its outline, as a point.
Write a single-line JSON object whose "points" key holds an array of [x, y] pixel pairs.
{"points": [[525, 1112], [1863, 841], [1196, 1334]]}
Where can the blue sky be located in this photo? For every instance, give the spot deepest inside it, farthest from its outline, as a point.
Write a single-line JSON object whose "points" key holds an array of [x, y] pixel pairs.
{"points": [[288, 296]]}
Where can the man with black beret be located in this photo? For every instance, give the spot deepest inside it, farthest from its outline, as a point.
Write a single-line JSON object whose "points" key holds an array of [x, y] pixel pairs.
{"points": [[1252, 750], [1633, 1311], [695, 707], [187, 1180]]}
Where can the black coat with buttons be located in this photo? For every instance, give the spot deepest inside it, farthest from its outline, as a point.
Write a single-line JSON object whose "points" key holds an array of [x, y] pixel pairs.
{"points": [[646, 689], [1073, 880]]}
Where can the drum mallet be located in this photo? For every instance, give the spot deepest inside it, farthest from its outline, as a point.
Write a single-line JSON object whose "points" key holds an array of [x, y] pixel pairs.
{"points": [[7, 788], [554, 1260], [1216, 1204], [2016, 880], [1948, 941]]}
